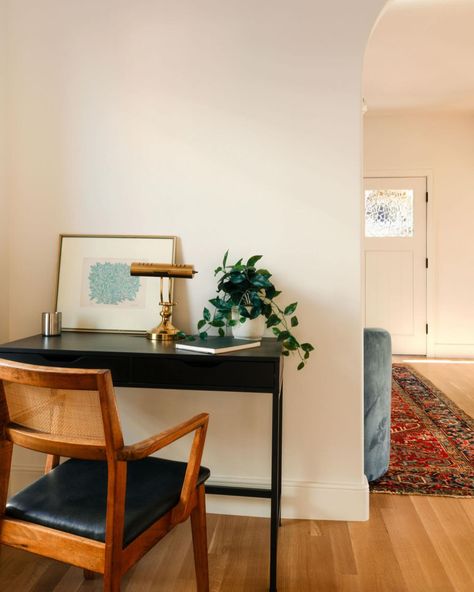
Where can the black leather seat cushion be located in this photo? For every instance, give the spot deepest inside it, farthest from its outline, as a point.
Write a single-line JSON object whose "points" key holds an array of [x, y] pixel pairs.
{"points": [[73, 496]]}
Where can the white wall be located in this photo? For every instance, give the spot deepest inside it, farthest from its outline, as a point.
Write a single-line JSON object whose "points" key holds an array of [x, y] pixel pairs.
{"points": [[232, 125], [4, 280], [442, 143]]}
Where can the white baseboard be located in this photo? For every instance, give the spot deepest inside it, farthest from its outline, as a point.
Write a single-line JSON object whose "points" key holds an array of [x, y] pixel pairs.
{"points": [[453, 350], [326, 501], [300, 499]]}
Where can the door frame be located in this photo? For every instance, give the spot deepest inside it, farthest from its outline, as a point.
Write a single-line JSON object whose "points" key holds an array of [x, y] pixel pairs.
{"points": [[430, 253]]}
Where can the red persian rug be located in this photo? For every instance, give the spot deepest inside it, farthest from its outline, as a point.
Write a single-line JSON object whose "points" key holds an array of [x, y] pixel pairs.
{"points": [[432, 441]]}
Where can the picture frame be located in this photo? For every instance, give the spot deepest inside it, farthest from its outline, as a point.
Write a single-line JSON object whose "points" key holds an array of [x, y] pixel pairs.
{"points": [[95, 291]]}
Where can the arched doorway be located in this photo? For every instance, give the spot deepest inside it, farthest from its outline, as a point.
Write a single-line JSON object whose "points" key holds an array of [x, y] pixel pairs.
{"points": [[419, 90]]}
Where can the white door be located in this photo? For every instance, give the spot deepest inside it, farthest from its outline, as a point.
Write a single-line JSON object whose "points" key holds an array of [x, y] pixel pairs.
{"points": [[395, 260]]}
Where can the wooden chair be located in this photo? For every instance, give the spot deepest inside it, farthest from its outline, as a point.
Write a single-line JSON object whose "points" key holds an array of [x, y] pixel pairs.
{"points": [[106, 506]]}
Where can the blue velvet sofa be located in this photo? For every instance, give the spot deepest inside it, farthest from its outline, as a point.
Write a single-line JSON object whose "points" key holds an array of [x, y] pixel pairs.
{"points": [[377, 401]]}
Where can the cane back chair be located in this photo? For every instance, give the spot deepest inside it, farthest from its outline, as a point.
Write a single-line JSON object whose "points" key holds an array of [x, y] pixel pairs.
{"points": [[106, 506]]}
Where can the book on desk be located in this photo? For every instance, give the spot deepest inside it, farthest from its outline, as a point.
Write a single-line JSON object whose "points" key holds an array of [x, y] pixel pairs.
{"points": [[217, 345]]}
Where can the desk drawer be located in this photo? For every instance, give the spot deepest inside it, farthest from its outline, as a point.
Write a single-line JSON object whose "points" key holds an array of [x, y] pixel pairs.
{"points": [[117, 365], [204, 374]]}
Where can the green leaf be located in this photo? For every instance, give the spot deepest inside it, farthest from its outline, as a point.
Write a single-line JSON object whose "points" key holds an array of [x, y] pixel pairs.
{"points": [[294, 321], [221, 332], [255, 311], [224, 261], [206, 314], [290, 309], [260, 281], [221, 304], [190, 338], [251, 262], [255, 299], [242, 320], [237, 277], [285, 352], [201, 324], [271, 292], [264, 272], [291, 343], [244, 312], [276, 331], [306, 356], [232, 323], [203, 335], [217, 323], [283, 335], [301, 366], [216, 271], [273, 320], [307, 347], [293, 340], [235, 298]]}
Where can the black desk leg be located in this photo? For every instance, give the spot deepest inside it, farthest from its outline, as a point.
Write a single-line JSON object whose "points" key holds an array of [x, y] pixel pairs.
{"points": [[280, 453], [276, 486]]}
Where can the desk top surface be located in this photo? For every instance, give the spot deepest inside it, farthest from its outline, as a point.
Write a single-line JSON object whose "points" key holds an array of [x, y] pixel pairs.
{"points": [[126, 344]]}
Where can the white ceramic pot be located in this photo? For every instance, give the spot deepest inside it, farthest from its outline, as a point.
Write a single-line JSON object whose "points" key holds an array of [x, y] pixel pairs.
{"points": [[251, 329]]}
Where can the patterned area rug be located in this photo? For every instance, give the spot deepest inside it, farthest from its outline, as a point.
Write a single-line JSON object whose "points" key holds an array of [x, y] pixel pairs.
{"points": [[432, 441]]}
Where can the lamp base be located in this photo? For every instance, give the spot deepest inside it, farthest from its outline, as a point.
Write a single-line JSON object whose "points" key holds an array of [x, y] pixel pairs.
{"points": [[162, 333], [165, 331]]}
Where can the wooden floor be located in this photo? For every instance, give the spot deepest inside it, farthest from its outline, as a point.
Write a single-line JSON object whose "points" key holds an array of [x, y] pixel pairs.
{"points": [[410, 544]]}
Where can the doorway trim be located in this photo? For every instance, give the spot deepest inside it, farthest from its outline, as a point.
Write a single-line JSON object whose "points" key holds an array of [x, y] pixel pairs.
{"points": [[430, 272]]}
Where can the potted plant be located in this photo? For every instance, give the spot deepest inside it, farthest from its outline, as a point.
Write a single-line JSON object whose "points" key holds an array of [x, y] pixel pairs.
{"points": [[245, 292]]}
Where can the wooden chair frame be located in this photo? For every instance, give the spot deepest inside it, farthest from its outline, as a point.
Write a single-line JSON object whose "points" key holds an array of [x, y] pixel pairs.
{"points": [[109, 558]]}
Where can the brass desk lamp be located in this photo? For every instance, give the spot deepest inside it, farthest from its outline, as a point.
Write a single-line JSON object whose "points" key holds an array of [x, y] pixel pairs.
{"points": [[165, 331]]}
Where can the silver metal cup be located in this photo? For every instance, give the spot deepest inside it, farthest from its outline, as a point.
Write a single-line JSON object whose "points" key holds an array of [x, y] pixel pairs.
{"points": [[51, 323]]}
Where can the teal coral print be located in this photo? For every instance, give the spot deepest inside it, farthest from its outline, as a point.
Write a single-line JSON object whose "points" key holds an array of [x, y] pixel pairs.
{"points": [[111, 283]]}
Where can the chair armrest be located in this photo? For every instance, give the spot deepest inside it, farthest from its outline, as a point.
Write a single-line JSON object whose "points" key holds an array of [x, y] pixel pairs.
{"points": [[187, 499], [152, 444]]}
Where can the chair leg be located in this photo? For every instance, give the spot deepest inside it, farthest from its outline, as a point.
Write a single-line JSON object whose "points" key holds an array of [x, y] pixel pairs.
{"points": [[199, 530], [112, 582]]}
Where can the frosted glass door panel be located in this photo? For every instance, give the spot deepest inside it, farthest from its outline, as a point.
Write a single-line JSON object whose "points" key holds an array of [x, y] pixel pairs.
{"points": [[389, 213], [395, 256]]}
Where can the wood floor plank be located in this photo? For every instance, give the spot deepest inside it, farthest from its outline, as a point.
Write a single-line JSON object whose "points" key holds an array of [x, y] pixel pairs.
{"points": [[421, 567], [241, 548], [468, 507], [444, 520], [377, 564], [161, 564], [51, 576], [71, 581], [341, 544], [20, 570], [307, 561]]}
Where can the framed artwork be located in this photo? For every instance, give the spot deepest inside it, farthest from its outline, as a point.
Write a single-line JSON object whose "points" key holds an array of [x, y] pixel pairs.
{"points": [[95, 289]]}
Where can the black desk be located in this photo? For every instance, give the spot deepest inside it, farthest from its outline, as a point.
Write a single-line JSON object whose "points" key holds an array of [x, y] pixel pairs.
{"points": [[138, 362]]}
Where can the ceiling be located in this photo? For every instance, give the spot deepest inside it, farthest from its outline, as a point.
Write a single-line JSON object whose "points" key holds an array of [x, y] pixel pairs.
{"points": [[420, 56]]}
